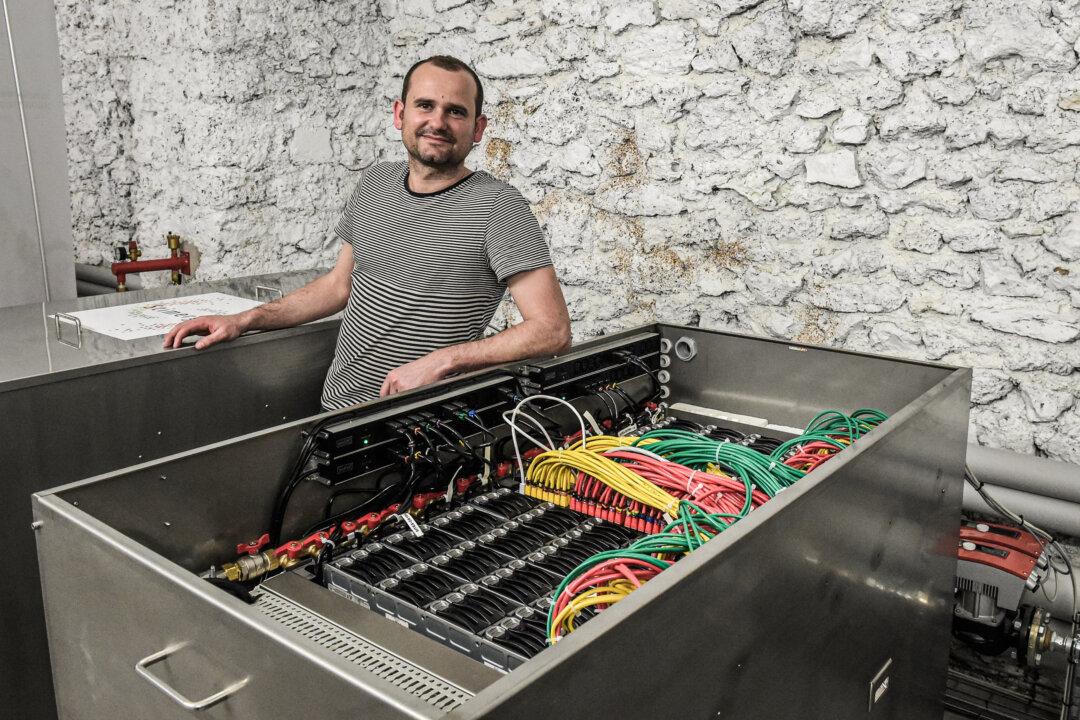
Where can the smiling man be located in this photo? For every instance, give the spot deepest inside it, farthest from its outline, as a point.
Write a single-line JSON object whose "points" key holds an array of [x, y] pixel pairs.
{"points": [[429, 248]]}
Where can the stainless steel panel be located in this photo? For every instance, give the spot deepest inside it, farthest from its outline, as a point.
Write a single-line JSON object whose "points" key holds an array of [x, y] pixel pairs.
{"points": [[35, 206], [789, 382], [109, 608], [792, 612], [37, 57], [116, 406], [22, 276]]}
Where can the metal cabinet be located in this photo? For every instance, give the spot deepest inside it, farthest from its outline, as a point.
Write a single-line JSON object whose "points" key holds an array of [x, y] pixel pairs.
{"points": [[35, 200], [840, 584], [70, 412]]}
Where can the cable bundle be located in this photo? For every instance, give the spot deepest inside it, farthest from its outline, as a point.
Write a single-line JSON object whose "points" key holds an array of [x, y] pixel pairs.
{"points": [[552, 475], [608, 577], [671, 460], [827, 434]]}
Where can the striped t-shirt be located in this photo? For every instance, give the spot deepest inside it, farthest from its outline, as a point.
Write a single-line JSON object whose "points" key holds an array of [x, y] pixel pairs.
{"points": [[429, 270]]}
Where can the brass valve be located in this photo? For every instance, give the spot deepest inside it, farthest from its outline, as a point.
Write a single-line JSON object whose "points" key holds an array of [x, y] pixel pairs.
{"points": [[249, 567]]}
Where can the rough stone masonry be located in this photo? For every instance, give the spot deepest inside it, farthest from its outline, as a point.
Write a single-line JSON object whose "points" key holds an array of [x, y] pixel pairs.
{"points": [[894, 176]]}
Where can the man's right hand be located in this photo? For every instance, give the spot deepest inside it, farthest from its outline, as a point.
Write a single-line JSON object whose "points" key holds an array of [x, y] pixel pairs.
{"points": [[216, 328]]}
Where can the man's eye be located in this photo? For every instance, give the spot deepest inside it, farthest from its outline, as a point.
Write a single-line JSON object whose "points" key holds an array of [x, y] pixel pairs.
{"points": [[458, 112]]}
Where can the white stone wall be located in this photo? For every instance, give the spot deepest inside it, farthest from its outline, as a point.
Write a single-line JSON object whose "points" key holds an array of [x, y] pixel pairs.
{"points": [[896, 176]]}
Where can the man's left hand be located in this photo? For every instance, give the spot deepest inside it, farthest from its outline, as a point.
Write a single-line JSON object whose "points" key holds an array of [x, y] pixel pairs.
{"points": [[423, 371]]}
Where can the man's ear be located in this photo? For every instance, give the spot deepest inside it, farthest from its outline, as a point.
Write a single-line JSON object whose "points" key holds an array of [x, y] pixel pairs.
{"points": [[399, 112], [481, 125]]}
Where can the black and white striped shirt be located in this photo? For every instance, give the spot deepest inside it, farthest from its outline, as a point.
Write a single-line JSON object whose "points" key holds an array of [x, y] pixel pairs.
{"points": [[429, 271]]}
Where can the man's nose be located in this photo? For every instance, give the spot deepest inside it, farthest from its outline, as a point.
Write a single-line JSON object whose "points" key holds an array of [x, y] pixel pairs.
{"points": [[438, 120]]}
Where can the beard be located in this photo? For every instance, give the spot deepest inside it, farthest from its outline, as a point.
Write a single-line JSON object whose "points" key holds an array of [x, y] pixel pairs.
{"points": [[440, 156]]}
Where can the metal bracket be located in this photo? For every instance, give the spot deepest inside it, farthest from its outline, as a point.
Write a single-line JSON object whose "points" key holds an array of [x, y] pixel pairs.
{"points": [[142, 667], [260, 289], [78, 327]]}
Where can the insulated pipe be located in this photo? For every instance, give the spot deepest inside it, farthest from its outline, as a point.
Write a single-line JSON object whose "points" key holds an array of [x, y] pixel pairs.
{"points": [[1055, 594], [1027, 473], [100, 275], [1050, 514], [85, 288]]}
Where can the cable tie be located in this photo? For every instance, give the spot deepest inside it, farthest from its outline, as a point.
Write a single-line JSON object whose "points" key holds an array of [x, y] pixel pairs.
{"points": [[688, 480]]}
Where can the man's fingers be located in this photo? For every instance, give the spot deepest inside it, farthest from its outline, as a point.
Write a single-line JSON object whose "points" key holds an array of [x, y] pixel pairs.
{"points": [[180, 332], [219, 333]]}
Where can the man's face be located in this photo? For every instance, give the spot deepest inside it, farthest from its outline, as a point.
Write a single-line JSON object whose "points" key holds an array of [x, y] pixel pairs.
{"points": [[438, 120]]}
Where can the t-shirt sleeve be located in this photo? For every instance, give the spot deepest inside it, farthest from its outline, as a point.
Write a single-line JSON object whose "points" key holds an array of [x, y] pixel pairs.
{"points": [[514, 241], [346, 229]]}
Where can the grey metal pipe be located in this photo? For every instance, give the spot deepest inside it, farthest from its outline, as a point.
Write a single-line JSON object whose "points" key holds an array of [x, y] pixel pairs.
{"points": [[1055, 594], [1028, 473], [1051, 514], [102, 275], [84, 288]]}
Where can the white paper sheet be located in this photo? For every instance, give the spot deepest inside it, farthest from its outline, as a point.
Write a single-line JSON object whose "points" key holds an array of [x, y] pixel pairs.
{"points": [[156, 317]]}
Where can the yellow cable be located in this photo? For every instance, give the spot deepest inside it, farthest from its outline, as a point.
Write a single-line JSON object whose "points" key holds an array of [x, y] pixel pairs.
{"points": [[602, 443], [603, 595], [556, 471]]}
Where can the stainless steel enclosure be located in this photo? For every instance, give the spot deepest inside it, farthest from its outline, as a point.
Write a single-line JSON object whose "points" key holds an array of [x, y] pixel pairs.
{"points": [[35, 200], [841, 580], [70, 412]]}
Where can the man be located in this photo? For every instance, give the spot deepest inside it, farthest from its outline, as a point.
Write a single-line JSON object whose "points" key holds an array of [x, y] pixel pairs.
{"points": [[429, 248]]}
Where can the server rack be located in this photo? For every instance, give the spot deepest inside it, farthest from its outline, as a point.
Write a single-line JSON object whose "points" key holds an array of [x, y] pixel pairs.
{"points": [[832, 600]]}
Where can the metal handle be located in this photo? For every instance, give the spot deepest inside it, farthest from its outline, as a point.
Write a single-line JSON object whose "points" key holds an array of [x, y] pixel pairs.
{"points": [[268, 290], [142, 666], [78, 326]]}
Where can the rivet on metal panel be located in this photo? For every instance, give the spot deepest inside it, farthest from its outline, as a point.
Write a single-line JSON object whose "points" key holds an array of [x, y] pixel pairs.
{"points": [[685, 348], [665, 361], [665, 345], [166, 523], [665, 391], [163, 477], [36, 525], [663, 376]]}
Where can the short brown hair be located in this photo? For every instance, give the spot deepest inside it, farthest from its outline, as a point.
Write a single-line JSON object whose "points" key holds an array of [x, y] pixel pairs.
{"points": [[446, 62]]}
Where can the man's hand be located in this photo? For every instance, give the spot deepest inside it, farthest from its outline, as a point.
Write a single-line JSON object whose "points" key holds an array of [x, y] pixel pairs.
{"points": [[424, 371], [323, 296], [216, 328]]}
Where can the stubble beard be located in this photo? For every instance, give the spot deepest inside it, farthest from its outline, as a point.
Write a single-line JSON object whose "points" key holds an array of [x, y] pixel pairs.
{"points": [[452, 158]]}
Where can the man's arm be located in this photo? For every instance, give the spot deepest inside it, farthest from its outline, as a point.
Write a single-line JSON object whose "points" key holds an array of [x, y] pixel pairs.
{"points": [[545, 330], [321, 297]]}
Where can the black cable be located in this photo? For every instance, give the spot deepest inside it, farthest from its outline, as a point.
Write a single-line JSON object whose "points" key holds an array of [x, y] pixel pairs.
{"points": [[367, 505], [294, 478], [635, 360]]}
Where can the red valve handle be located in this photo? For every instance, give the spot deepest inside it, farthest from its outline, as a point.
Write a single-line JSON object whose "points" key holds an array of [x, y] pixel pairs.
{"points": [[296, 548], [253, 547]]}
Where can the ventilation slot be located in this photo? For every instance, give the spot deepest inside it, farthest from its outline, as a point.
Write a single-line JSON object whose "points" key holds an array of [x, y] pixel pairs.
{"points": [[368, 657]]}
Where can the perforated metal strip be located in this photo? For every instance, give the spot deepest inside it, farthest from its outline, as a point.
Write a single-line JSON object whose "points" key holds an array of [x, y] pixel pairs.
{"points": [[371, 658]]}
